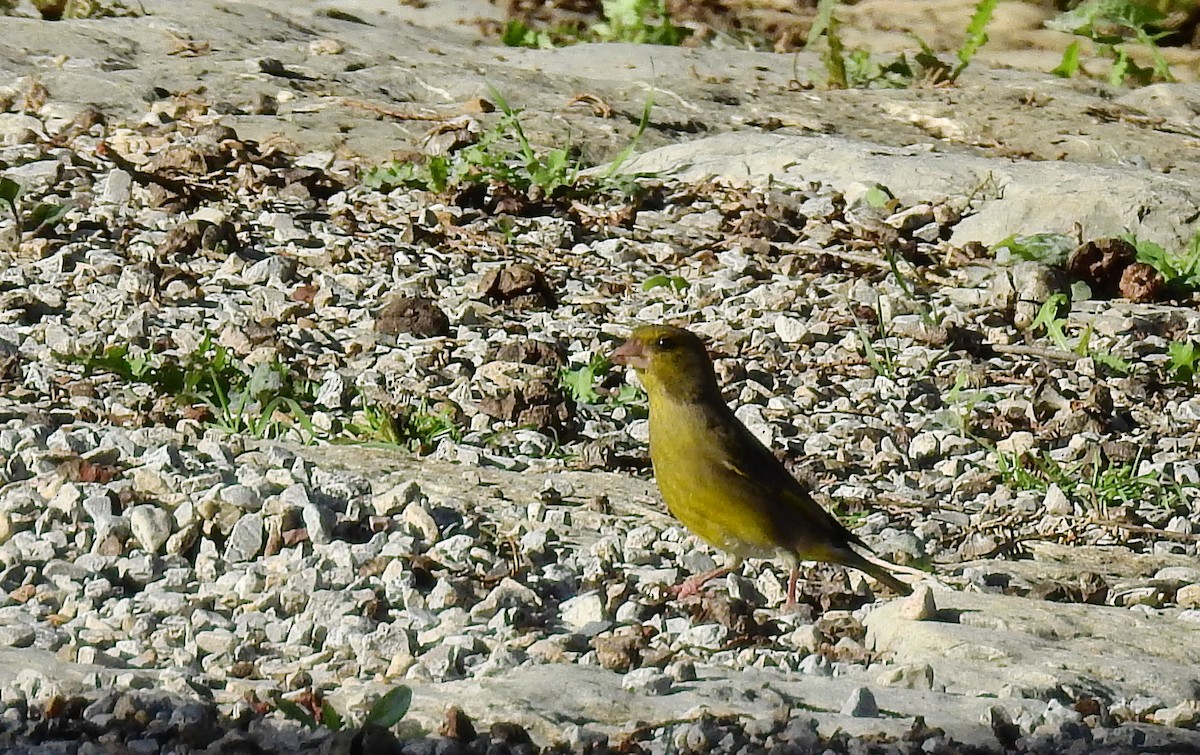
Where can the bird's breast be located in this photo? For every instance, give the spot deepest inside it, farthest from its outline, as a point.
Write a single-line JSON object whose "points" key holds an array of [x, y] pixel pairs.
{"points": [[693, 472]]}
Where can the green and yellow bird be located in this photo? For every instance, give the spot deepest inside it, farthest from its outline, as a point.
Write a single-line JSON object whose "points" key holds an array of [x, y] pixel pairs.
{"points": [[717, 478]]}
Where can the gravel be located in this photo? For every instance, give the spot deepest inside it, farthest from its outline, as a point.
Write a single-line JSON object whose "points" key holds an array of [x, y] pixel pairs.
{"points": [[171, 535]]}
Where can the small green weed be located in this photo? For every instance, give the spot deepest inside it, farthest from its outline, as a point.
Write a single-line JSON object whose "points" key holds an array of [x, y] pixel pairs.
{"points": [[431, 175], [582, 383], [857, 69], [263, 400], [1097, 484], [882, 361], [266, 400], [637, 21], [1178, 269], [960, 403], [314, 710], [1050, 319], [674, 282], [1046, 248], [1111, 24], [1183, 358], [517, 33], [503, 155], [43, 216], [421, 429], [976, 37]]}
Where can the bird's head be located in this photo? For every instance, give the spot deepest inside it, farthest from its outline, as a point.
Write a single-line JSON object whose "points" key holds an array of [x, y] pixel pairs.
{"points": [[670, 362]]}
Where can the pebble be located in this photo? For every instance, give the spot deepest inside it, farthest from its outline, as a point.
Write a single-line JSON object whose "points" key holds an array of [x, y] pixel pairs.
{"points": [[907, 676], [647, 681], [860, 704], [245, 539], [582, 610], [151, 526], [920, 606]]}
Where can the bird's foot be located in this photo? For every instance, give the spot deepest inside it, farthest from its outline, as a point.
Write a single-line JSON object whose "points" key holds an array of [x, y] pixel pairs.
{"points": [[691, 586]]}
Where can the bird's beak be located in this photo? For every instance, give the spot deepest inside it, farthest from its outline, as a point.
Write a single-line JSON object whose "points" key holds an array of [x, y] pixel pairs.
{"points": [[631, 354]]}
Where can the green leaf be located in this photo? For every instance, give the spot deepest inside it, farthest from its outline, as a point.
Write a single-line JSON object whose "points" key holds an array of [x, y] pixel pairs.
{"points": [[9, 191], [330, 717], [389, 709], [1112, 362], [45, 214], [1120, 67], [1047, 248], [674, 282], [878, 197], [624, 155], [439, 173], [1094, 18], [821, 21], [976, 35], [1069, 66], [1176, 268], [1183, 356], [1048, 318], [295, 712], [579, 382], [835, 57], [517, 34]]}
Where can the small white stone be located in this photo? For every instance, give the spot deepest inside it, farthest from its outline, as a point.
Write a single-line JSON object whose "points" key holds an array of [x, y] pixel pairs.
{"points": [[151, 526], [1017, 444], [791, 329], [582, 610], [647, 681], [1056, 501]]}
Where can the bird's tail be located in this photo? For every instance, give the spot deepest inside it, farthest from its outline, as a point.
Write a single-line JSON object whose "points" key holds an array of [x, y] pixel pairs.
{"points": [[857, 561]]}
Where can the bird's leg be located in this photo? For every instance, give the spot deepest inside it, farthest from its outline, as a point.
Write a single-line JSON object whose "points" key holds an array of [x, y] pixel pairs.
{"points": [[791, 590]]}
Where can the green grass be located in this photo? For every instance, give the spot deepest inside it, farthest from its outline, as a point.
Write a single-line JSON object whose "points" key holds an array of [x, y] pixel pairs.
{"points": [[1114, 26], [40, 217], [856, 69], [265, 400], [1050, 319], [1096, 485], [637, 21], [505, 156]]}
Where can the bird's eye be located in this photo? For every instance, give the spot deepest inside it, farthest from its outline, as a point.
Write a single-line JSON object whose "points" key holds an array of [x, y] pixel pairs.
{"points": [[665, 343]]}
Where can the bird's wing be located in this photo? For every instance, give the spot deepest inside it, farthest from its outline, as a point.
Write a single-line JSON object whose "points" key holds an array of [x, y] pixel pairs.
{"points": [[795, 517]]}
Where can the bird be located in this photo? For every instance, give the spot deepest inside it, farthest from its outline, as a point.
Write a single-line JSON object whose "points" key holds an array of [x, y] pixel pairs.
{"points": [[718, 479]]}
